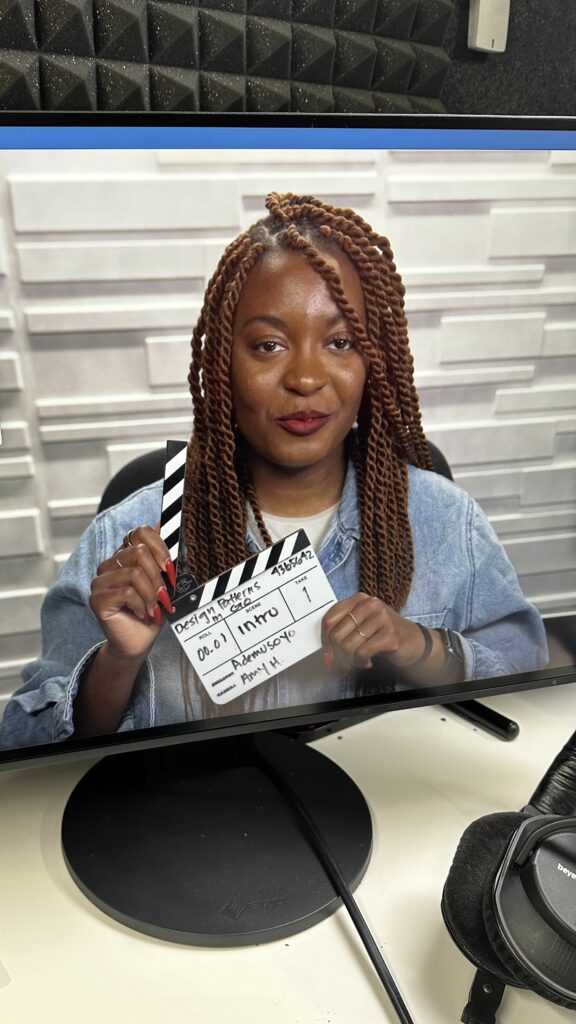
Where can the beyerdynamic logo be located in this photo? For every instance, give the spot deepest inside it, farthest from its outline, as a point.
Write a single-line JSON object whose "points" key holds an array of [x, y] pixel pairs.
{"points": [[566, 871], [233, 908]]}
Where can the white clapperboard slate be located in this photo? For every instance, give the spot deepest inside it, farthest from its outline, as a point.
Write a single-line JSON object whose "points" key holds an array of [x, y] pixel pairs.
{"points": [[254, 620]]}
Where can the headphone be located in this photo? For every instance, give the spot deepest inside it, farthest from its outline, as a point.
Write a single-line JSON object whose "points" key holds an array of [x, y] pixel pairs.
{"points": [[509, 901]]}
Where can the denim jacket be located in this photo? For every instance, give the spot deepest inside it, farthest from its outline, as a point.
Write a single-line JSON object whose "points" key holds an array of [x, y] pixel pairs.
{"points": [[462, 579]]}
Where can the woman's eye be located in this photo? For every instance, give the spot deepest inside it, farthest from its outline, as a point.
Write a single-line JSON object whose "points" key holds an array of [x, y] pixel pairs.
{"points": [[268, 346], [342, 344]]}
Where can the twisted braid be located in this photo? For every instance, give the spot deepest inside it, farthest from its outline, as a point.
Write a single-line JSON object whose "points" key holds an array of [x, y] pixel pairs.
{"points": [[213, 540], [389, 434]]}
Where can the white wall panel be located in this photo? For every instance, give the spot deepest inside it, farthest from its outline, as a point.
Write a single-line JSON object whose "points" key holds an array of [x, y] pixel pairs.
{"points": [[20, 610], [10, 372], [359, 185], [105, 405], [507, 336], [510, 441], [542, 553], [458, 237], [20, 533], [168, 359], [488, 484], [456, 188], [551, 603], [15, 435], [17, 468], [74, 508], [130, 315], [104, 429], [562, 295], [547, 484], [535, 523], [559, 339], [130, 203], [3, 250], [476, 376], [110, 261], [544, 231], [424, 277], [535, 399]]}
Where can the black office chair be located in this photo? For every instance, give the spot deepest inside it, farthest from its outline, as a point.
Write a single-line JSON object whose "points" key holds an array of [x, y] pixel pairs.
{"points": [[149, 467], [145, 469]]}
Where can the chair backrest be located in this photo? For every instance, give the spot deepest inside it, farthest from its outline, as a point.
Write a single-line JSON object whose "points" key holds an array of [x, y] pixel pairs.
{"points": [[148, 468], [439, 462]]}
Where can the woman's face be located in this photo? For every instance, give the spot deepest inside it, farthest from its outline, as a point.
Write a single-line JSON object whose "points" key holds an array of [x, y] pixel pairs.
{"points": [[297, 374]]}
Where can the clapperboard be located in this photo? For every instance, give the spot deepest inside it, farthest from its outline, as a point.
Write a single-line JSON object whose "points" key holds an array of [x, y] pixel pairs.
{"points": [[254, 620]]}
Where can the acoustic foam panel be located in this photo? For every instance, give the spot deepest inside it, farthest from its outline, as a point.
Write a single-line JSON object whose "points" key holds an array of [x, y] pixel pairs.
{"points": [[256, 55]]}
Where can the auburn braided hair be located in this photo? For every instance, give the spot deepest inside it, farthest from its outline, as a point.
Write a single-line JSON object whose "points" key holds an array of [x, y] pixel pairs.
{"points": [[389, 433]]}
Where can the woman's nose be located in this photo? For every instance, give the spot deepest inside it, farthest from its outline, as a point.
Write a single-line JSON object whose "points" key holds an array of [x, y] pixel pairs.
{"points": [[305, 371]]}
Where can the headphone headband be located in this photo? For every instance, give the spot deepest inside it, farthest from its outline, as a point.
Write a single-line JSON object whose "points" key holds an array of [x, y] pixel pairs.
{"points": [[556, 792]]}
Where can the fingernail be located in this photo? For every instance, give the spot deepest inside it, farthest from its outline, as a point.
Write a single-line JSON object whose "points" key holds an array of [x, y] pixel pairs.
{"points": [[157, 616], [162, 595], [171, 572], [328, 660]]}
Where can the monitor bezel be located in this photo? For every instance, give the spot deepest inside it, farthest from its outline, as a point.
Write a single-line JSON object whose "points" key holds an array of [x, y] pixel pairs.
{"points": [[312, 714]]}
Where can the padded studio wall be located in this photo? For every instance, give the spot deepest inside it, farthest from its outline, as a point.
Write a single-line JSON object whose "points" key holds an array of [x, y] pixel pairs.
{"points": [[343, 56]]}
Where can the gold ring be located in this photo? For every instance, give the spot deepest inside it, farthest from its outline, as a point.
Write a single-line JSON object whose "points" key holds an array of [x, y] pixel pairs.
{"points": [[127, 543], [119, 563], [353, 619], [358, 630]]}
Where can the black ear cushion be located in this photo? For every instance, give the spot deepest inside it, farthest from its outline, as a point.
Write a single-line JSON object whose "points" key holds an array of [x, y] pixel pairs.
{"points": [[516, 970], [479, 854]]}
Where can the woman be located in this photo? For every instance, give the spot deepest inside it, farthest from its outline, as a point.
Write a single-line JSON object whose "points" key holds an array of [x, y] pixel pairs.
{"points": [[305, 414]]}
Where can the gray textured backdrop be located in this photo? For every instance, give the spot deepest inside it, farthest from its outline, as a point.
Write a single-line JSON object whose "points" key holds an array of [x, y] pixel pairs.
{"points": [[103, 262]]}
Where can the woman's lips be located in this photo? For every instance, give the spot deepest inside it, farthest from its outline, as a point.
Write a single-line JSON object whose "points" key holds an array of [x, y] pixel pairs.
{"points": [[304, 425]]}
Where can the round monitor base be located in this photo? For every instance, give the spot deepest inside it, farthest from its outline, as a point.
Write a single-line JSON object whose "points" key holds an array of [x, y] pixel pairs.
{"points": [[196, 844]]}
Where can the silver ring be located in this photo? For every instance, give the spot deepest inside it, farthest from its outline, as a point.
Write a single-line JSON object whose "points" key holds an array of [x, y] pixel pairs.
{"points": [[127, 543]]}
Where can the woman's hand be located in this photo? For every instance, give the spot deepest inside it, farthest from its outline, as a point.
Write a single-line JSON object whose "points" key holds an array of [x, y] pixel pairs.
{"points": [[128, 591], [359, 627]]}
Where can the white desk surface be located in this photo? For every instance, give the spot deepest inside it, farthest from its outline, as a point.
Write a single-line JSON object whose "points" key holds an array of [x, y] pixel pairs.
{"points": [[425, 773]]}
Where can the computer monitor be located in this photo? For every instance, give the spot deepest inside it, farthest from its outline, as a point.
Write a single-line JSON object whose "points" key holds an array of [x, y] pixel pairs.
{"points": [[112, 226]]}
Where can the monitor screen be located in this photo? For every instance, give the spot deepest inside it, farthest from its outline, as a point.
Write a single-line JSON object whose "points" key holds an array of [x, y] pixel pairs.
{"points": [[376, 508]]}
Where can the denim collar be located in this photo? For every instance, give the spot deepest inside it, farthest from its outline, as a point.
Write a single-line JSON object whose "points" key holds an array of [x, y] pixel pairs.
{"points": [[347, 517], [348, 513]]}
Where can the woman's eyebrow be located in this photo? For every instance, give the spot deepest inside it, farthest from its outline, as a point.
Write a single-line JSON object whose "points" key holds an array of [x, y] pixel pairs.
{"points": [[276, 321]]}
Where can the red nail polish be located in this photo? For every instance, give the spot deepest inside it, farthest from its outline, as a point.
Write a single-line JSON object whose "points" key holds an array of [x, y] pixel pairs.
{"points": [[328, 660], [170, 569], [164, 599], [157, 615]]}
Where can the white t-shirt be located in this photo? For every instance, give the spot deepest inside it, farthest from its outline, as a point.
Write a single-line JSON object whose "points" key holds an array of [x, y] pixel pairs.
{"points": [[316, 526]]}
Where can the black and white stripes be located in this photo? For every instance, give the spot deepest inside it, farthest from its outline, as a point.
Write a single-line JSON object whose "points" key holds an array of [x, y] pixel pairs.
{"points": [[245, 571], [235, 578], [173, 490]]}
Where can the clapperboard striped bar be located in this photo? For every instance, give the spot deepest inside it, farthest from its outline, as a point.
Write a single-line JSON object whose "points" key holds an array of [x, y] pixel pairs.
{"points": [[172, 493], [233, 578]]}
